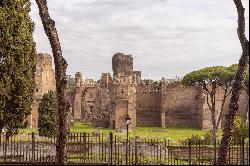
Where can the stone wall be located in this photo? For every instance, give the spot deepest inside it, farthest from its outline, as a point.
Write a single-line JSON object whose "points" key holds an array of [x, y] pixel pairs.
{"points": [[148, 103], [96, 102], [88, 103], [182, 105], [206, 118], [243, 106], [148, 106]]}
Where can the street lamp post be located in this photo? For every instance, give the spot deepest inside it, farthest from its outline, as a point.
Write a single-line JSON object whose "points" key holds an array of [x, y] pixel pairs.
{"points": [[128, 120]]}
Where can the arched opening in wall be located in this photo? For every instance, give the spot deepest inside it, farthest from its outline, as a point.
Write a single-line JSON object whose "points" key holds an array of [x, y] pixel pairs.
{"points": [[122, 91]]}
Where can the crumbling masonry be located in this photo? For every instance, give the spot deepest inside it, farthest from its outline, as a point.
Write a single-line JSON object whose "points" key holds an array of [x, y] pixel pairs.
{"points": [[164, 103], [45, 81]]}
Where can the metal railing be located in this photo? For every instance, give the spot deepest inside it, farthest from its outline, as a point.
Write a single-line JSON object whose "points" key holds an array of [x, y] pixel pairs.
{"points": [[111, 149]]}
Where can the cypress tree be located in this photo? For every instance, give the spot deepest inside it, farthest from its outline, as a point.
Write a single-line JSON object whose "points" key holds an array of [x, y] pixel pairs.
{"points": [[47, 115], [17, 63]]}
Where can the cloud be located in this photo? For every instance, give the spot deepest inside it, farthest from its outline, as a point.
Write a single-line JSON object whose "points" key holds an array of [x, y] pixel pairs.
{"points": [[165, 37]]}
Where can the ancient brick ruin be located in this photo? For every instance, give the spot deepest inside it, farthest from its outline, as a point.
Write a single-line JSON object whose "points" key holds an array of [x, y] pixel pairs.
{"points": [[45, 81], [106, 102]]}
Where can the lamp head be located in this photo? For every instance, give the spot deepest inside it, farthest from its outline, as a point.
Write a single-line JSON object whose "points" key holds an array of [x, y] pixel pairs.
{"points": [[128, 120]]}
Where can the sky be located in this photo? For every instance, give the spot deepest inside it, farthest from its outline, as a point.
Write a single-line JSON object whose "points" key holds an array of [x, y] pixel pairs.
{"points": [[167, 38]]}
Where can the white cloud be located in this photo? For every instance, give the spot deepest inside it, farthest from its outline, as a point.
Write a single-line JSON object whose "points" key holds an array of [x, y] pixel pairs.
{"points": [[165, 37]]}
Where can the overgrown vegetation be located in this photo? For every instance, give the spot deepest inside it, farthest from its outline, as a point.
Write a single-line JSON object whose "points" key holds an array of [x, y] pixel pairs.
{"points": [[47, 115]]}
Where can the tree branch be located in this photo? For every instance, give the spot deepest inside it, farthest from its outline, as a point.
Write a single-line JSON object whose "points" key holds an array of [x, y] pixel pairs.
{"points": [[222, 106], [210, 107]]}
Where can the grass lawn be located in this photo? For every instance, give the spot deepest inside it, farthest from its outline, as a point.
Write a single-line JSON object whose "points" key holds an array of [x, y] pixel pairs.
{"points": [[174, 133]]}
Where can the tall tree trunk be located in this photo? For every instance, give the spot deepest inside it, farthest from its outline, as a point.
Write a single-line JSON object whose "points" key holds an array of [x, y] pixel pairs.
{"points": [[60, 73], [237, 85], [213, 111], [213, 115]]}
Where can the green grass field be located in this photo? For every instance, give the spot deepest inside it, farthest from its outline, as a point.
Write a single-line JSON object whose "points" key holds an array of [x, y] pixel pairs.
{"points": [[174, 133]]}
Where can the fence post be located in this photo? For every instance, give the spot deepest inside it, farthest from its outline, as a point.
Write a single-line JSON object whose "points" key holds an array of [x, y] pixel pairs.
{"points": [[110, 148], [189, 151], [136, 154], [33, 146], [168, 151], [215, 151], [6, 146], [242, 152], [84, 146]]}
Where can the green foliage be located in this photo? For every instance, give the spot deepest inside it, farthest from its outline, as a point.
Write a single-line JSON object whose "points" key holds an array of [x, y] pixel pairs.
{"points": [[194, 140], [240, 130], [233, 68], [221, 74], [17, 63], [206, 139], [47, 115]]}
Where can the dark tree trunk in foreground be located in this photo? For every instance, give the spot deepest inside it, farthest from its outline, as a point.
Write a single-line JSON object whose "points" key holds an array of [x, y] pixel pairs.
{"points": [[60, 73], [237, 85]]}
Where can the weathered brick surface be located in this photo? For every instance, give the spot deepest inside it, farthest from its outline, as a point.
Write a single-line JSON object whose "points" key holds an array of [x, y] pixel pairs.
{"points": [[182, 105], [106, 103], [45, 81], [148, 106]]}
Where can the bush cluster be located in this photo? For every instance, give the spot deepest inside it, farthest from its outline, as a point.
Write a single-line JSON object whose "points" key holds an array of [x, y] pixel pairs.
{"points": [[47, 115]]}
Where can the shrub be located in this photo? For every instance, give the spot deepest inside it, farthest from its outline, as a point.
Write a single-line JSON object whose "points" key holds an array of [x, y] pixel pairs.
{"points": [[195, 139], [240, 130], [208, 138], [47, 115]]}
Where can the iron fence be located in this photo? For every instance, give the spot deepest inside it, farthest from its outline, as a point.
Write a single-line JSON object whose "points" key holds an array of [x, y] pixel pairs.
{"points": [[90, 148]]}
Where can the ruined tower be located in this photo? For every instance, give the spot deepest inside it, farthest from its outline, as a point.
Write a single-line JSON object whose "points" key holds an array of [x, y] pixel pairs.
{"points": [[122, 65], [123, 98], [45, 81], [77, 98], [78, 79]]}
